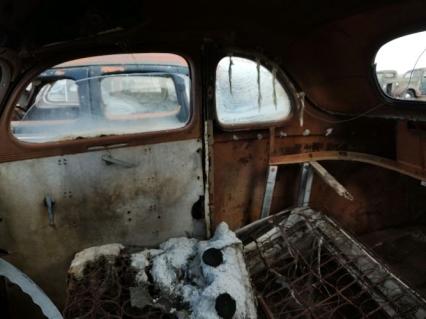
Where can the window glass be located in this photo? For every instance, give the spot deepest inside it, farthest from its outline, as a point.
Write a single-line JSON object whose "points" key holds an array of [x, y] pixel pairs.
{"points": [[104, 95], [401, 67], [63, 92], [248, 93], [137, 94]]}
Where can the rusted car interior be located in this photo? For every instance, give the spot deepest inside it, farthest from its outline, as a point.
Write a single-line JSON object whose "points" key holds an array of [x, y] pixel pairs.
{"points": [[253, 112]]}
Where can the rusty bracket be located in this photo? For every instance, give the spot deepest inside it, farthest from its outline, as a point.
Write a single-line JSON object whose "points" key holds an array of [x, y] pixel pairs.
{"points": [[301, 97], [399, 167], [331, 181]]}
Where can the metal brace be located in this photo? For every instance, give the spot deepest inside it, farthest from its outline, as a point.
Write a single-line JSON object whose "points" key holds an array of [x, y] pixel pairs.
{"points": [[269, 191], [305, 185], [331, 181]]}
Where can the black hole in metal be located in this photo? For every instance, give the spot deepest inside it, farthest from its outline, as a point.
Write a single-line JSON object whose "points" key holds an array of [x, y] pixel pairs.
{"points": [[213, 257], [225, 306], [197, 211]]}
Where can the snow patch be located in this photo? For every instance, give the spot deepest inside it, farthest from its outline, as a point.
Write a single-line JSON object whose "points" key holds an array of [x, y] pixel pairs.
{"points": [[170, 265], [179, 272], [140, 261], [81, 259]]}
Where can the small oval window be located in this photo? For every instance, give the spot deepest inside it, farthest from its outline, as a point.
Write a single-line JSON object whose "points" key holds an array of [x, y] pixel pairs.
{"points": [[401, 67], [247, 93]]}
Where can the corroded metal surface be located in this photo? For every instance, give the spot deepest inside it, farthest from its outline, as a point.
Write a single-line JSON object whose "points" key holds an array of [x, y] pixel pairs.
{"points": [[402, 168], [241, 160], [96, 203]]}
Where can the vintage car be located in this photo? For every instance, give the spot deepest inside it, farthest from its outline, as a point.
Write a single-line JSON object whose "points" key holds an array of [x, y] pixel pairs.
{"points": [[411, 85], [212, 159], [387, 80]]}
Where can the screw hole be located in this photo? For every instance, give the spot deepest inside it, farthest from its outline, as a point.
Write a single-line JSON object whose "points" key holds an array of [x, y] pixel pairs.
{"points": [[197, 210], [213, 257], [225, 306]]}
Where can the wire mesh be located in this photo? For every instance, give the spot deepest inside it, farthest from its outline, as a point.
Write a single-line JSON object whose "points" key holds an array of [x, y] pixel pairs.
{"points": [[303, 265], [104, 292]]}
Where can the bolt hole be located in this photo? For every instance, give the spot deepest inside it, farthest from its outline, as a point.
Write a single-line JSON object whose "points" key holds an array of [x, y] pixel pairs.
{"points": [[213, 257], [225, 306], [129, 219], [197, 211], [128, 212]]}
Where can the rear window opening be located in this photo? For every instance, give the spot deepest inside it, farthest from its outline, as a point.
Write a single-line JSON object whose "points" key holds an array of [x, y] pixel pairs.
{"points": [[401, 68], [248, 94], [104, 95]]}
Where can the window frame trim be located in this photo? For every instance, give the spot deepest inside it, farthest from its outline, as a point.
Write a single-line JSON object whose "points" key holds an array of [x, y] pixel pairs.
{"points": [[282, 79], [395, 108], [71, 146]]}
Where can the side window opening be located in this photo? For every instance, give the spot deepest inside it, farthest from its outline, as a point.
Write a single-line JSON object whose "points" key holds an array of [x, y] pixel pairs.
{"points": [[400, 67], [248, 93], [106, 95]]}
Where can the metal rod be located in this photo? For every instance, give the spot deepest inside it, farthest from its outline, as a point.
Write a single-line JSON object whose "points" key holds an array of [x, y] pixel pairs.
{"points": [[331, 181], [305, 185], [269, 191]]}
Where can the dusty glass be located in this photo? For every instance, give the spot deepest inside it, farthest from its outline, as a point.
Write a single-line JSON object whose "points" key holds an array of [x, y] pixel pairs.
{"points": [[247, 93], [105, 95]]}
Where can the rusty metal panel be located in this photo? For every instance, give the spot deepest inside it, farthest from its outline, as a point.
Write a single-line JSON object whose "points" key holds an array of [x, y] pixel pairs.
{"points": [[411, 144], [240, 169], [383, 198], [97, 202]]}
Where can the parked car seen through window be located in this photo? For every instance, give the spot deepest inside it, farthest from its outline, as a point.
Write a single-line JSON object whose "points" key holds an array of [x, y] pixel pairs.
{"points": [[401, 67]]}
